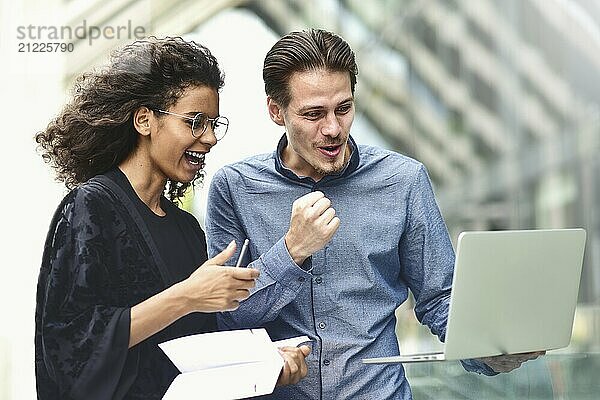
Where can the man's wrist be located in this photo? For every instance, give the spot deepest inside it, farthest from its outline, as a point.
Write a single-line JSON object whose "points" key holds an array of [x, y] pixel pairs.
{"points": [[294, 252]]}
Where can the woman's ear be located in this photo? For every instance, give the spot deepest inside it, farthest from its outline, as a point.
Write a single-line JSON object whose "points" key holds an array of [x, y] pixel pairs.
{"points": [[142, 118], [275, 111]]}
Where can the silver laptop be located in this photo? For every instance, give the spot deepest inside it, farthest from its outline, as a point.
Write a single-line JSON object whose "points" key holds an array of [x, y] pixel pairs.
{"points": [[512, 292]]}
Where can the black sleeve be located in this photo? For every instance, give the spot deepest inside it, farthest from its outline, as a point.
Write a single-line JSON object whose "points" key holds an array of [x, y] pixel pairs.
{"points": [[81, 336]]}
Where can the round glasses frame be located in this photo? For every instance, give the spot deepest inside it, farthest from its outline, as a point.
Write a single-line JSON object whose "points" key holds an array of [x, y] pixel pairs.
{"points": [[200, 121]]}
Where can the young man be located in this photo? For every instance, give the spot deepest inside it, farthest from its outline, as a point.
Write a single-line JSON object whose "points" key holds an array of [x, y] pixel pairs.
{"points": [[339, 231]]}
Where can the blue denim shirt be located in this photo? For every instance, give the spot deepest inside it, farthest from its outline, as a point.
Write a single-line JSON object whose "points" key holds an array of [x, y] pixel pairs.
{"points": [[392, 238]]}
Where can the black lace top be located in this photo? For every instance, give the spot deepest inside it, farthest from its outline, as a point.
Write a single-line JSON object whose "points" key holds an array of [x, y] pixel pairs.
{"points": [[101, 257]]}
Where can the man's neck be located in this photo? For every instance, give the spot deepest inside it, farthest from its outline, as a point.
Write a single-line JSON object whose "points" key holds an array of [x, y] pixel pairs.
{"points": [[287, 154]]}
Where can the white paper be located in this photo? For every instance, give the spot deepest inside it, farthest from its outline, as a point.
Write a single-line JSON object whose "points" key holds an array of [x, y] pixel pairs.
{"points": [[225, 365], [291, 342]]}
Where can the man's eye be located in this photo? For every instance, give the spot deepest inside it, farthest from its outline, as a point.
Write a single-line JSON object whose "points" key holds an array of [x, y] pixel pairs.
{"points": [[344, 109], [313, 114]]}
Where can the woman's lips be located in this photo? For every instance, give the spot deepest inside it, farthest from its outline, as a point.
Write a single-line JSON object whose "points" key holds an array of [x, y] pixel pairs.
{"points": [[194, 159]]}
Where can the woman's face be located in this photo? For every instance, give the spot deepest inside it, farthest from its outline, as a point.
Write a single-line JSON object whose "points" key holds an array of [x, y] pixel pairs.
{"points": [[174, 153]]}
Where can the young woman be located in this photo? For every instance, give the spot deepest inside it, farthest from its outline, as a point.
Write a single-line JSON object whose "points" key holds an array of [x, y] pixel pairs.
{"points": [[124, 268]]}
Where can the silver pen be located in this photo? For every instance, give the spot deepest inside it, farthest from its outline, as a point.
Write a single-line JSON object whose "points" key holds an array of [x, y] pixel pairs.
{"points": [[242, 253]]}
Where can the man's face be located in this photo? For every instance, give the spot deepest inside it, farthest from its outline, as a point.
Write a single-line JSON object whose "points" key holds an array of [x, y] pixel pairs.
{"points": [[317, 122]]}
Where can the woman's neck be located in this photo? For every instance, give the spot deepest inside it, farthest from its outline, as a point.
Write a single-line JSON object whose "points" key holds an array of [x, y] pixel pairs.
{"points": [[146, 182]]}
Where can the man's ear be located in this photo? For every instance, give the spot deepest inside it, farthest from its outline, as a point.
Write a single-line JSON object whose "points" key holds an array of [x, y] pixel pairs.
{"points": [[275, 111], [142, 118]]}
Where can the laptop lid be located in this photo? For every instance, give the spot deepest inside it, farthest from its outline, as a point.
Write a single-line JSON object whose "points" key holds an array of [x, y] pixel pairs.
{"points": [[513, 291]]}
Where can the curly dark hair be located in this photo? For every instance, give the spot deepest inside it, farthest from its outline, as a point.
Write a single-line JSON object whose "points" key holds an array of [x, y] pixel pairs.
{"points": [[94, 132]]}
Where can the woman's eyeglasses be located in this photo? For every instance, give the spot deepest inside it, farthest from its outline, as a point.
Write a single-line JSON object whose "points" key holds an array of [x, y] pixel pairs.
{"points": [[199, 123]]}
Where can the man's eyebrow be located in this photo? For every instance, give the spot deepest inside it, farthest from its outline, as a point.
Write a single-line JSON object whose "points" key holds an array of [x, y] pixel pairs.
{"points": [[318, 107], [348, 100], [309, 108]]}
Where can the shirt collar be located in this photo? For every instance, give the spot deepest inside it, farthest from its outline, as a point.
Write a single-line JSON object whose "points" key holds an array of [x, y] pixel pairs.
{"points": [[285, 171]]}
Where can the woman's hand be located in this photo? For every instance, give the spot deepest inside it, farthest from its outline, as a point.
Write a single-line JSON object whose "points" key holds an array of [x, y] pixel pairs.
{"points": [[294, 367], [214, 287]]}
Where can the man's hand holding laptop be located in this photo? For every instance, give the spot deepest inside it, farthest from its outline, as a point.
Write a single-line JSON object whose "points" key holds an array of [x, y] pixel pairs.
{"points": [[509, 362]]}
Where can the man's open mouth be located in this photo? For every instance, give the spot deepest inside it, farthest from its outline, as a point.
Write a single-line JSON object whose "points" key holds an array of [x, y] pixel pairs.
{"points": [[330, 151]]}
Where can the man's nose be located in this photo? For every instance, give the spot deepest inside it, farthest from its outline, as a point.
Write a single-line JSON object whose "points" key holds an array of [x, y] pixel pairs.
{"points": [[331, 126]]}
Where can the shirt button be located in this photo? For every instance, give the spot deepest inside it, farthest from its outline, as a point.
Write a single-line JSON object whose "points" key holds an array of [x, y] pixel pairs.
{"points": [[322, 325], [326, 362], [301, 279], [318, 279]]}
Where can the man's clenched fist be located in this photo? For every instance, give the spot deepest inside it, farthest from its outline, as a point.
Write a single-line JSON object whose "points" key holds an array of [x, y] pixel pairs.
{"points": [[312, 225]]}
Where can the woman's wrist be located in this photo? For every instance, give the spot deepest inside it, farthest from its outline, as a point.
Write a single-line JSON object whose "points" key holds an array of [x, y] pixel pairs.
{"points": [[177, 301]]}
